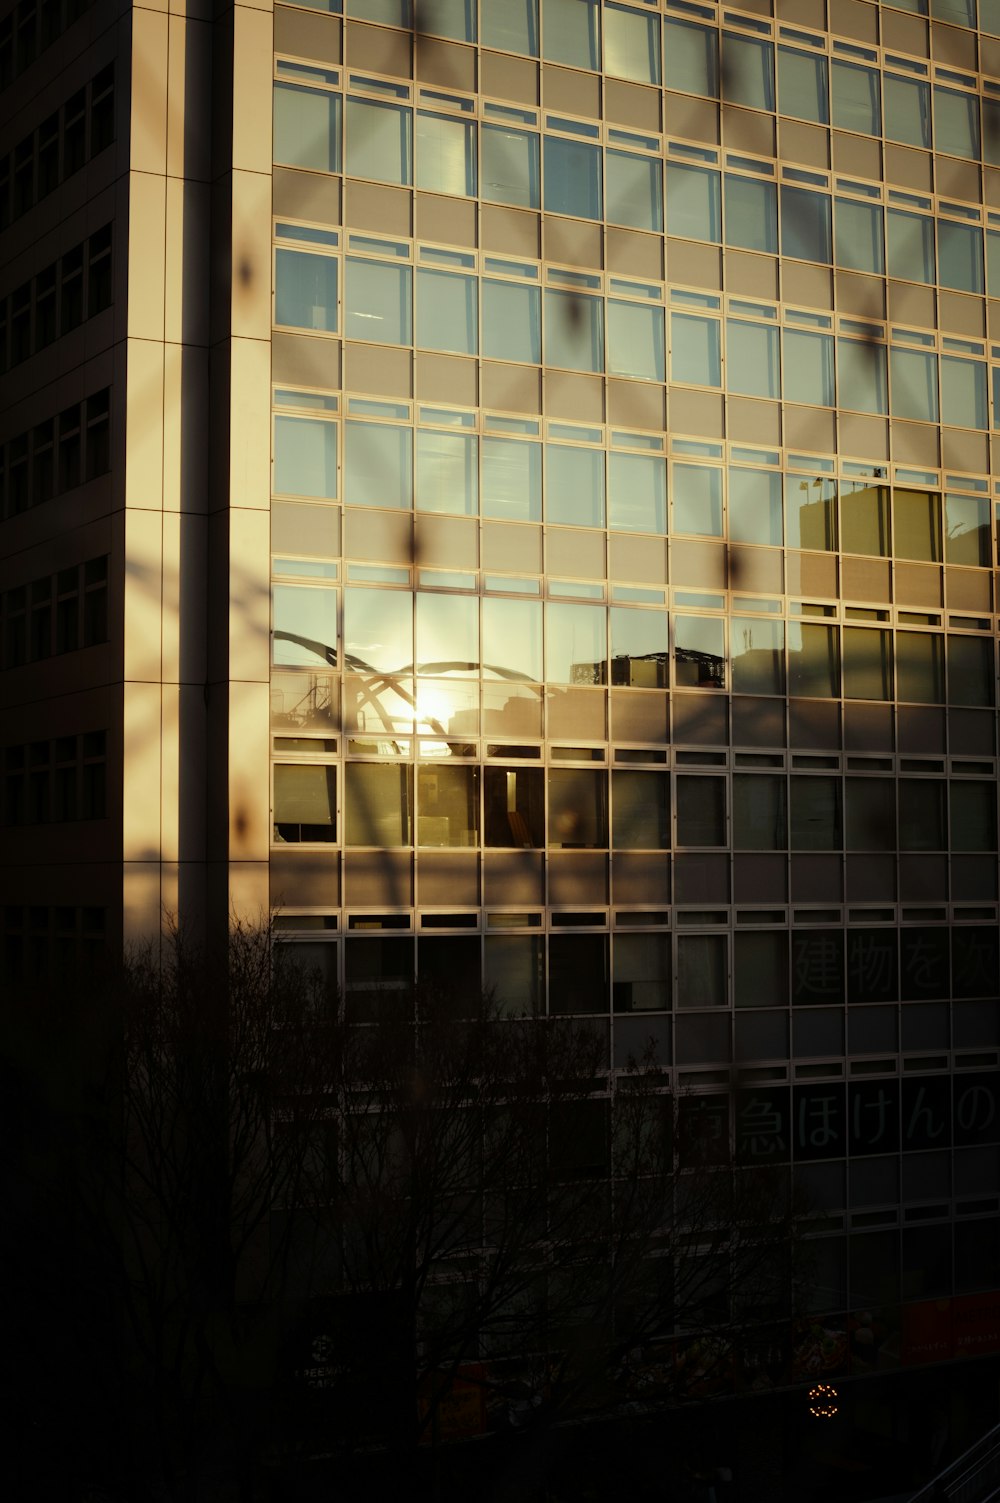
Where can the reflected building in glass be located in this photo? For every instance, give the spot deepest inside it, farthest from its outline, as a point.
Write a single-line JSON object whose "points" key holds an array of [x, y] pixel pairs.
{"points": [[599, 407]]}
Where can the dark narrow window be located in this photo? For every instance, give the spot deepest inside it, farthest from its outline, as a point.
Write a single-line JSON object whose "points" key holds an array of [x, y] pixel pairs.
{"points": [[48, 155], [99, 271], [69, 448], [71, 293], [98, 433], [102, 110], [41, 620], [46, 326], [74, 132], [68, 610], [43, 462]]}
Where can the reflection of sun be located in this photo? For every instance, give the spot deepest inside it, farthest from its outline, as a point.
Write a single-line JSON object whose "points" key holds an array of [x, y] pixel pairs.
{"points": [[435, 704]]}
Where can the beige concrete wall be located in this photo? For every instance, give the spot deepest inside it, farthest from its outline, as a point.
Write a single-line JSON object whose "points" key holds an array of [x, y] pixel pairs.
{"points": [[165, 482], [239, 532]]}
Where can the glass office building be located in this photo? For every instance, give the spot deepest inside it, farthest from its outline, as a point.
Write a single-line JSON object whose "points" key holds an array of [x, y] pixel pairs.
{"points": [[623, 374], [632, 559]]}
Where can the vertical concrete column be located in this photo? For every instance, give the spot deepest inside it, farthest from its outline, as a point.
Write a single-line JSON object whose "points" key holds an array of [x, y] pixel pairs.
{"points": [[166, 240], [239, 596]]}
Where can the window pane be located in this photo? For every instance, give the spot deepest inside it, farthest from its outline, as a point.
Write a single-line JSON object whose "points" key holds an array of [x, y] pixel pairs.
{"points": [[916, 525], [576, 643], [867, 664], [574, 486], [446, 312], [512, 638], [641, 971], [305, 803], [701, 970], [377, 301], [305, 290], [862, 378], [637, 492], [758, 653], [813, 660], [920, 667], [970, 670], [691, 58], [447, 634], [378, 630], [510, 167], [378, 465], [859, 236], [448, 806], [304, 626], [378, 804], [631, 45], [870, 814], [578, 982], [973, 808], [634, 191], [699, 653], [991, 131], [701, 811], [759, 814], [512, 480], [963, 393], [572, 177], [305, 457], [639, 648], [514, 807], [574, 331], [514, 970], [748, 71], [811, 513], [512, 26], [447, 472], [914, 385], [802, 90], [960, 256], [696, 355], [578, 816], [635, 341], [921, 815], [760, 966], [572, 33], [911, 246], [956, 123], [640, 811], [993, 262], [864, 518], [809, 367], [379, 141], [697, 500], [855, 93], [512, 325], [907, 111], [755, 506], [451, 18], [967, 530], [694, 203], [306, 128], [805, 225], [752, 358], [751, 214], [446, 154], [815, 814], [389, 12]]}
